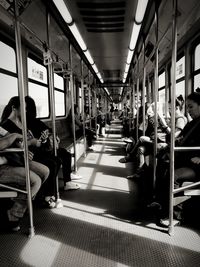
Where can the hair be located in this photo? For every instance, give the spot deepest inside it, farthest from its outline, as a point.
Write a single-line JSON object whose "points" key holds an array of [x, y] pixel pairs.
{"points": [[31, 111], [179, 102], [14, 102], [195, 96]]}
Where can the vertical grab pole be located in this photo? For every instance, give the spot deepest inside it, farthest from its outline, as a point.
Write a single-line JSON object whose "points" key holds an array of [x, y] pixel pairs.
{"points": [[172, 140], [143, 90], [89, 96], [95, 101], [166, 92], [83, 105], [23, 115], [133, 105], [137, 90], [148, 90], [155, 99], [53, 117], [72, 107]]}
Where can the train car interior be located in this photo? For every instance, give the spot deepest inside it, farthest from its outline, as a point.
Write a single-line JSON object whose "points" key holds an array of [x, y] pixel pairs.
{"points": [[106, 76]]}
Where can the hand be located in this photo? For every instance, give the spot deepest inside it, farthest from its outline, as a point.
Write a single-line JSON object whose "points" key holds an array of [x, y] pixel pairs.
{"points": [[195, 160], [44, 136]]}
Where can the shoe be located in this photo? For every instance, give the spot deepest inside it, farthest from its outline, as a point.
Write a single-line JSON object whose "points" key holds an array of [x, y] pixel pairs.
{"points": [[91, 148], [10, 226], [154, 205], [14, 226], [75, 176], [71, 186], [128, 140], [137, 174], [50, 202], [133, 176], [124, 160], [165, 223]]}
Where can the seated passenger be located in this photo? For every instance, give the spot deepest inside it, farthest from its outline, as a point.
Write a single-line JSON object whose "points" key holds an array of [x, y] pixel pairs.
{"points": [[16, 176], [100, 122], [145, 144], [11, 121], [134, 132], [45, 153], [187, 164], [79, 128], [124, 116]]}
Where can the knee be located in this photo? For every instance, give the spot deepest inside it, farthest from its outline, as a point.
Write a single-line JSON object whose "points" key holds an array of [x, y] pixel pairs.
{"points": [[35, 183], [45, 173], [141, 150]]}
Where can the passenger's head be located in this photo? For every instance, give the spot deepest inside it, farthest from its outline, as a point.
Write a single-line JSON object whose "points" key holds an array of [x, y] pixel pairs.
{"points": [[13, 107], [179, 102], [31, 111], [193, 105]]}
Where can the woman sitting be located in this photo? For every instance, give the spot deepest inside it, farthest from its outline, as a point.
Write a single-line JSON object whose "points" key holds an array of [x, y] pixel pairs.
{"points": [[187, 164], [14, 175], [45, 153]]}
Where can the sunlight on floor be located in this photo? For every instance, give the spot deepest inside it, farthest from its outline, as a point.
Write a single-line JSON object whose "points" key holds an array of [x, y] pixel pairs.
{"points": [[100, 217], [40, 251]]}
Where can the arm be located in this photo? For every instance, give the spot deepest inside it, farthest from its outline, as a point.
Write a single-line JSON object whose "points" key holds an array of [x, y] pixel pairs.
{"points": [[8, 140]]}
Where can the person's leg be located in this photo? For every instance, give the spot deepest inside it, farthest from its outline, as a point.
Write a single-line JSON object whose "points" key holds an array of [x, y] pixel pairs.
{"points": [[141, 156], [65, 158], [53, 163], [182, 175], [40, 169], [89, 136], [16, 176], [66, 161]]}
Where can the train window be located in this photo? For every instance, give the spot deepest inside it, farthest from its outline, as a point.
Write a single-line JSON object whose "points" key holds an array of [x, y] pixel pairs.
{"points": [[197, 57], [161, 79], [8, 59], [36, 71], [180, 77], [59, 103], [197, 66], [196, 81], [58, 82], [8, 76], [180, 68], [40, 94], [37, 87], [59, 95]]}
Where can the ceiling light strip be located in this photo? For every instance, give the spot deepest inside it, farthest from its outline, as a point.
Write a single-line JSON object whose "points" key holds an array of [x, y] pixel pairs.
{"points": [[139, 15], [62, 8]]}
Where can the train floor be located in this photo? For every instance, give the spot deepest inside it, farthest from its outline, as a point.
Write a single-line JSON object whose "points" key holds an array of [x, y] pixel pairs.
{"points": [[103, 224]]}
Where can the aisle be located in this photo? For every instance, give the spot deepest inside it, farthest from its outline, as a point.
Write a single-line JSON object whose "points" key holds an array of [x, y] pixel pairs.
{"points": [[100, 225]]}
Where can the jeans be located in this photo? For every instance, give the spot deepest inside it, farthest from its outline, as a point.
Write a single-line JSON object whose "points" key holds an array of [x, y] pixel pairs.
{"points": [[16, 177]]}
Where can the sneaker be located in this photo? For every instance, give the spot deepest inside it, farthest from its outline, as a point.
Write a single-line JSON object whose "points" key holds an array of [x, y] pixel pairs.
{"points": [[128, 140], [165, 223], [14, 226], [50, 202], [75, 176], [139, 172], [11, 226], [124, 160], [71, 186], [91, 148], [133, 176]]}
